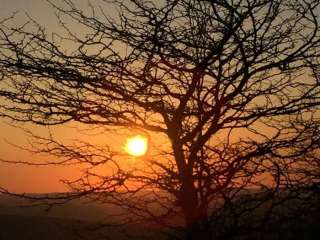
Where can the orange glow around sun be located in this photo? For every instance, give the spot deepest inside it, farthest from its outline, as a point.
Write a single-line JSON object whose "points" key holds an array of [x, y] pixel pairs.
{"points": [[137, 145]]}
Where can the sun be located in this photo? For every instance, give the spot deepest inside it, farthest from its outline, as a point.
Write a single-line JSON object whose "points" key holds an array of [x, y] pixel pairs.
{"points": [[137, 145]]}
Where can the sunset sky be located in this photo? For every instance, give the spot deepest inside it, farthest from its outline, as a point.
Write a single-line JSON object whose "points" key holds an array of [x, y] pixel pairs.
{"points": [[23, 178], [29, 178]]}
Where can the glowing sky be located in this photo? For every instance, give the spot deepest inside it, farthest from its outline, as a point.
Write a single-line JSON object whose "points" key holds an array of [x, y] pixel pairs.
{"points": [[30, 178]]}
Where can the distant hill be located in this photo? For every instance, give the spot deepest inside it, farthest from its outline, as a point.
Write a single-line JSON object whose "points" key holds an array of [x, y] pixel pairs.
{"points": [[80, 220], [75, 220], [77, 209]]}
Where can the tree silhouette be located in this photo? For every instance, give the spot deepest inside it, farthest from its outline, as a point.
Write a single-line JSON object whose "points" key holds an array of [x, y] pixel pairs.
{"points": [[230, 84]]}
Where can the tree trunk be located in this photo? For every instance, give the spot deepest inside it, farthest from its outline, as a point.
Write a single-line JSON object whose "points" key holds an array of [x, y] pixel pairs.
{"points": [[195, 216]]}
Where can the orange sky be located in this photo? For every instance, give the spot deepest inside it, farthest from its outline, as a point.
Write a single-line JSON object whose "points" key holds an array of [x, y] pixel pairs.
{"points": [[22, 178]]}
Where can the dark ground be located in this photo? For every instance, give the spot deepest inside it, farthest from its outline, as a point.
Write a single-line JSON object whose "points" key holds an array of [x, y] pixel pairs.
{"points": [[79, 221]]}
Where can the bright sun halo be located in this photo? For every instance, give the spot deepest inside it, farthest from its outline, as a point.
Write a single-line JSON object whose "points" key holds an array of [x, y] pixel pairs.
{"points": [[137, 146]]}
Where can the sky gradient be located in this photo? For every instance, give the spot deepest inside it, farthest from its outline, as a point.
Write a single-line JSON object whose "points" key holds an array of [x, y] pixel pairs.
{"points": [[21, 178]]}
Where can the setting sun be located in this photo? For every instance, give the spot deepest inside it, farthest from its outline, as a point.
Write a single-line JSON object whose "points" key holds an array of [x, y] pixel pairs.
{"points": [[137, 146]]}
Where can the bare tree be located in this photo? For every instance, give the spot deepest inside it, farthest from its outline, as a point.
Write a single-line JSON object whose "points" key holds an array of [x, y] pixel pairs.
{"points": [[230, 84]]}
